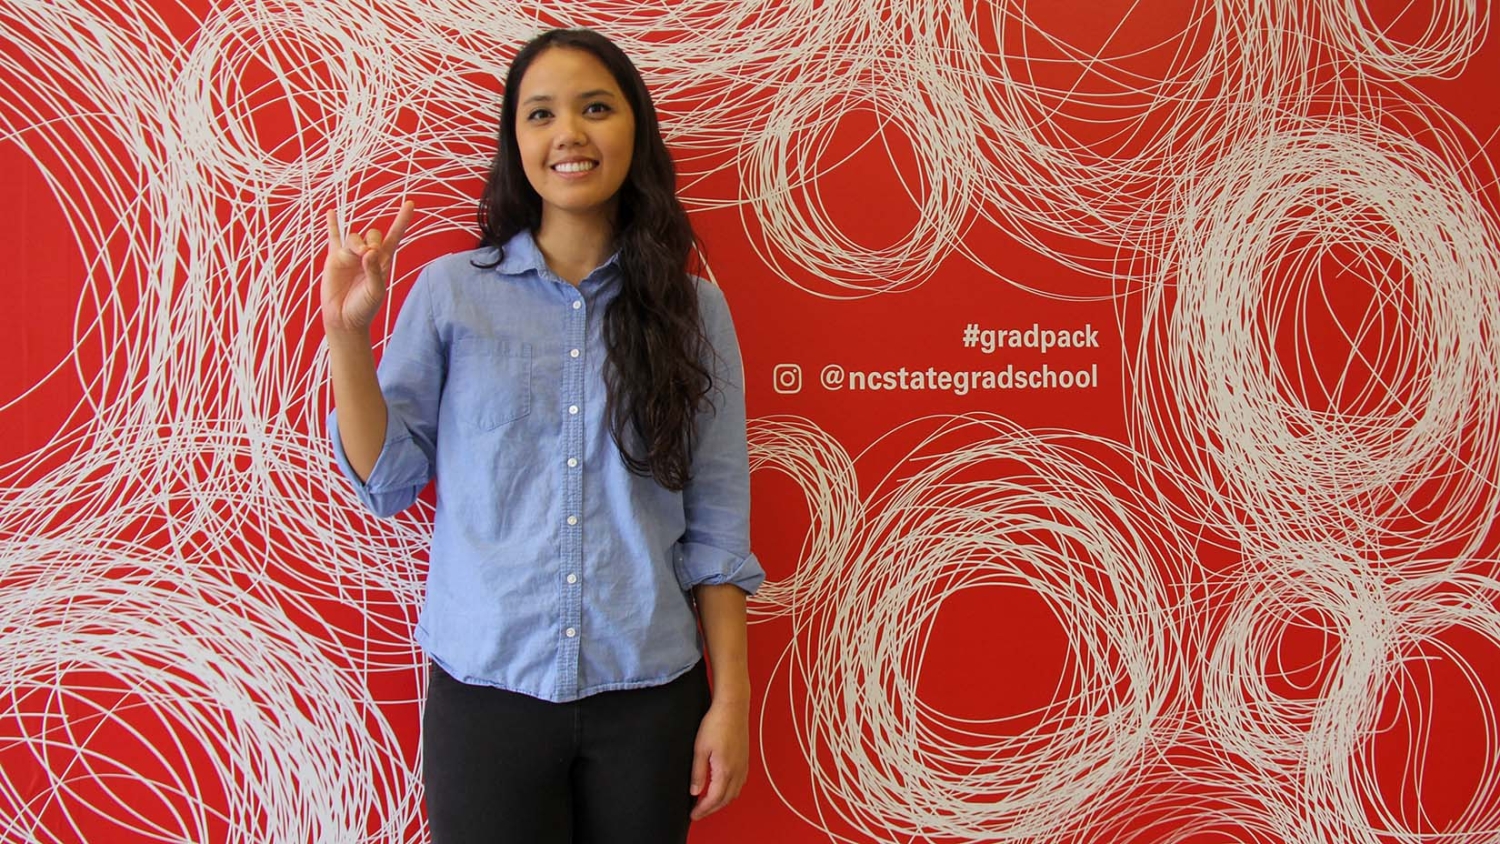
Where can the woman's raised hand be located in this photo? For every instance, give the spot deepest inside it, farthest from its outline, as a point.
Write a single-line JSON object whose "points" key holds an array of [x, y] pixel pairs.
{"points": [[357, 270]]}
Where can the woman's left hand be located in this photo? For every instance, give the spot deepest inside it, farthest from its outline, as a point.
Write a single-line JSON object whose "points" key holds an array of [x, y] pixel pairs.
{"points": [[721, 757]]}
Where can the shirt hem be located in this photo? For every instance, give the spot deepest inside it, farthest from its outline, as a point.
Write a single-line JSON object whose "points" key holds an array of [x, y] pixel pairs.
{"points": [[589, 691]]}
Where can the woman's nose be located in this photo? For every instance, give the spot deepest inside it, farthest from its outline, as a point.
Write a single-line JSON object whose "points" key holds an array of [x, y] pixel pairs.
{"points": [[569, 132]]}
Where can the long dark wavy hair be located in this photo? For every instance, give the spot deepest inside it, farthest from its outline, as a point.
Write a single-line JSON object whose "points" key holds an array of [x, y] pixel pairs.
{"points": [[655, 375]]}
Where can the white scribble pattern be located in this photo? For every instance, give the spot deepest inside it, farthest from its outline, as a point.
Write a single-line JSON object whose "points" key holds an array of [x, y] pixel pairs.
{"points": [[201, 632], [980, 504], [1335, 456]]}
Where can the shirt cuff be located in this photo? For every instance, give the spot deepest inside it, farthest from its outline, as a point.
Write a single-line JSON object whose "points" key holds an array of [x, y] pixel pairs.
{"points": [[697, 564], [399, 473]]}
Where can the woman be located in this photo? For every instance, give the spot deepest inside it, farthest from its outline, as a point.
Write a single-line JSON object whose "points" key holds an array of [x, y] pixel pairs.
{"points": [[577, 395]]}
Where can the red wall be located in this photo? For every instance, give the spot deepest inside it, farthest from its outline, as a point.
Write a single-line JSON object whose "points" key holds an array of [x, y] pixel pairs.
{"points": [[1239, 587]]}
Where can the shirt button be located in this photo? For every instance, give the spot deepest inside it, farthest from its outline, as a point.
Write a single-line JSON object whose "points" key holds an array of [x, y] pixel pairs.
{"points": [[572, 520], [572, 578], [573, 410], [573, 354], [570, 632], [577, 304], [572, 462]]}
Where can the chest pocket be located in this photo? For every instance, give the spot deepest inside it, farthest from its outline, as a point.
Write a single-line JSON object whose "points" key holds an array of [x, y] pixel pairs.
{"points": [[489, 382]]}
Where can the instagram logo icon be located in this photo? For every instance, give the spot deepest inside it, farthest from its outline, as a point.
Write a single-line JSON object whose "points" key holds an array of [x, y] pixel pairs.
{"points": [[786, 378]]}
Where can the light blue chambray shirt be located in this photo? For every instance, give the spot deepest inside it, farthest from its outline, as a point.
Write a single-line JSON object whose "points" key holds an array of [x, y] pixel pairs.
{"points": [[555, 571]]}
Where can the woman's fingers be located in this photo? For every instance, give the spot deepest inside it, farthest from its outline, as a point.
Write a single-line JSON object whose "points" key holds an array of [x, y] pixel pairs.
{"points": [[373, 238], [339, 241], [699, 776], [721, 790], [403, 218], [335, 237], [373, 268]]}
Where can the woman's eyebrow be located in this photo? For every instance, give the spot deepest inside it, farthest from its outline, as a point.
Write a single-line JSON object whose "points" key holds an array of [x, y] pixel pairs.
{"points": [[547, 98]]}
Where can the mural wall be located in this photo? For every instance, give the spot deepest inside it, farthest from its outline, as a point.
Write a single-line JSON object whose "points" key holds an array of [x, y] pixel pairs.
{"points": [[1125, 383]]}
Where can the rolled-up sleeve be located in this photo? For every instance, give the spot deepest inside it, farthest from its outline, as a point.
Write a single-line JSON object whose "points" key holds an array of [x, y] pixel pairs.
{"points": [[715, 547], [411, 373]]}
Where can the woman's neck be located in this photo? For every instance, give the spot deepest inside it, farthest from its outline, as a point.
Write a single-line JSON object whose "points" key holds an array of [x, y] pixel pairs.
{"points": [[574, 246]]}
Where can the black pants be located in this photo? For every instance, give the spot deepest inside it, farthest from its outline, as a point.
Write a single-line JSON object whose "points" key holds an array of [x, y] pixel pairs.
{"points": [[613, 768]]}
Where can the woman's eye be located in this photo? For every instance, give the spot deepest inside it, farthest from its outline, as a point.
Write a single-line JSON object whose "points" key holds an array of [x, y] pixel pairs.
{"points": [[538, 114], [596, 108]]}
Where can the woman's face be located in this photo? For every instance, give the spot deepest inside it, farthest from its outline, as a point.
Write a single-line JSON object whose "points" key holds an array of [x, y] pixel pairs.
{"points": [[575, 132]]}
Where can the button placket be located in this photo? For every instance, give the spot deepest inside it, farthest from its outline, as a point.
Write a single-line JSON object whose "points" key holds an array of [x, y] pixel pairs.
{"points": [[572, 484]]}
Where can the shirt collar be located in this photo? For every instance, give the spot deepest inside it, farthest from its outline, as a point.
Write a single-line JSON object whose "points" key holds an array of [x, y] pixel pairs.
{"points": [[522, 256]]}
